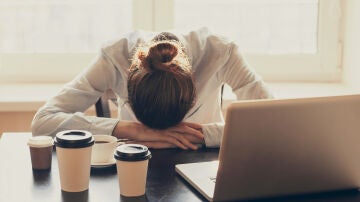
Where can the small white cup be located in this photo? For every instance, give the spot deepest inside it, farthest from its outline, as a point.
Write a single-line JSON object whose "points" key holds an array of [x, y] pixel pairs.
{"points": [[103, 149], [132, 165]]}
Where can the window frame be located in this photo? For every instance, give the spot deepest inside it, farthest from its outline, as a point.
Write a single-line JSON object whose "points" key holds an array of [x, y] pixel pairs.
{"points": [[157, 15]]}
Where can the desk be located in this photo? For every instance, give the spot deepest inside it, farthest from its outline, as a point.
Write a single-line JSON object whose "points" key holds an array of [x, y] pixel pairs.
{"points": [[19, 183]]}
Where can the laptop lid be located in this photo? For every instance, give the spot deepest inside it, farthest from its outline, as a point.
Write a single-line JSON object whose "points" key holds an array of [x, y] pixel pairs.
{"points": [[290, 146]]}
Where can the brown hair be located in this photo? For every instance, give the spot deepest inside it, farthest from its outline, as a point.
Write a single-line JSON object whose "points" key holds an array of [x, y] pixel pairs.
{"points": [[160, 86]]}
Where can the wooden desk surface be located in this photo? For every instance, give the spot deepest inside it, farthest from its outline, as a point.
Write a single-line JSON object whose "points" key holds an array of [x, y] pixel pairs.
{"points": [[18, 182]]}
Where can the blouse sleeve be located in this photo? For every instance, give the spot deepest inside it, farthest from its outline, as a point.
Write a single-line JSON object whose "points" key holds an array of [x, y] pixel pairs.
{"points": [[245, 83], [65, 110]]}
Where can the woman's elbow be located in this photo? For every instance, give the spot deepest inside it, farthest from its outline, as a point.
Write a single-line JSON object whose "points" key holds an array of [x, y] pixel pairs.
{"points": [[38, 124]]}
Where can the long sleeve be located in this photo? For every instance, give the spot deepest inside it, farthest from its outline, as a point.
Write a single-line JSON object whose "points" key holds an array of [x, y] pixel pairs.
{"points": [[213, 134], [245, 83], [65, 110]]}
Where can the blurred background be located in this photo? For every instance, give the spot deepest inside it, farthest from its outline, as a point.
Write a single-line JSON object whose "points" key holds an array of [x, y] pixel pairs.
{"points": [[300, 47]]}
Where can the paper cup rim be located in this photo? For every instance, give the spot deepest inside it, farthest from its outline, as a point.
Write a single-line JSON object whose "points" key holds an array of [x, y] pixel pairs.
{"points": [[40, 141]]}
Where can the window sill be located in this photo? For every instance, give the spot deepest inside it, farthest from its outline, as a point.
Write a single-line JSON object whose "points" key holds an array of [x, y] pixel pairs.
{"points": [[297, 90], [26, 97], [30, 97]]}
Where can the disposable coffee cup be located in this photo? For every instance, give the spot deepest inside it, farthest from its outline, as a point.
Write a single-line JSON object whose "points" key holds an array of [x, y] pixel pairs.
{"points": [[103, 150], [41, 152], [73, 150], [132, 164]]}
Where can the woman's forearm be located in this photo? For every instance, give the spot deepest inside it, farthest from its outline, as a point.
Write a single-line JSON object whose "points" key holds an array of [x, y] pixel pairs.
{"points": [[179, 136], [127, 130]]}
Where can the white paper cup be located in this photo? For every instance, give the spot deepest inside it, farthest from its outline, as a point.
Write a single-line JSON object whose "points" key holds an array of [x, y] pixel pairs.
{"points": [[132, 164], [103, 149], [73, 149]]}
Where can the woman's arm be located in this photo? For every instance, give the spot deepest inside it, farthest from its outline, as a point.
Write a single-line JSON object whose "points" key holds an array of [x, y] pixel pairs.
{"points": [[242, 79], [185, 135], [65, 110], [245, 83]]}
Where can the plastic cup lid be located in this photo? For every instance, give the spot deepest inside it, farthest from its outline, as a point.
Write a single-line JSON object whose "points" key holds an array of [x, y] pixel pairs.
{"points": [[132, 152], [74, 139], [40, 141]]}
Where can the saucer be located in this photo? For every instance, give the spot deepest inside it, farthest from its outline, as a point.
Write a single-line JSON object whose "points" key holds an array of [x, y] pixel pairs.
{"points": [[103, 164]]}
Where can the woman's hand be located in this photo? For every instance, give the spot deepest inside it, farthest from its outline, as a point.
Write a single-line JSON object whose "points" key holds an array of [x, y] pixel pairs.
{"points": [[185, 135]]}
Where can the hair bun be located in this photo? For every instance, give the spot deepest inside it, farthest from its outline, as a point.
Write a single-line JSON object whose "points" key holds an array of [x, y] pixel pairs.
{"points": [[162, 52]]}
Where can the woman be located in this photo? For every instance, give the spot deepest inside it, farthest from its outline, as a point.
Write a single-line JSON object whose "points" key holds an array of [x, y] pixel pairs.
{"points": [[167, 86]]}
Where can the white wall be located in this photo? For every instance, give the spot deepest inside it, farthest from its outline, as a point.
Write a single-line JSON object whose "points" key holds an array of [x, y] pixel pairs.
{"points": [[351, 54]]}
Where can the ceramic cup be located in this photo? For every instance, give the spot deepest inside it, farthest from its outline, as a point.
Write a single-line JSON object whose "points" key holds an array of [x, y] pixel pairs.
{"points": [[103, 149]]}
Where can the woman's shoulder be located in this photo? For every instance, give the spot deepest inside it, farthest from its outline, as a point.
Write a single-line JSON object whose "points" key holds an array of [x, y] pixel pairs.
{"points": [[203, 41], [127, 42], [205, 35], [120, 50], [203, 45]]}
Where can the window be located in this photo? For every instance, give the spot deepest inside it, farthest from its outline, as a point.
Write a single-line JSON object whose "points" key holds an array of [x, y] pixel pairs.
{"points": [[60, 26], [288, 40], [259, 26], [284, 40], [52, 40]]}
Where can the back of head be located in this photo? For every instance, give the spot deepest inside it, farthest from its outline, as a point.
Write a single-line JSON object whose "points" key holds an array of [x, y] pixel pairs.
{"points": [[160, 86]]}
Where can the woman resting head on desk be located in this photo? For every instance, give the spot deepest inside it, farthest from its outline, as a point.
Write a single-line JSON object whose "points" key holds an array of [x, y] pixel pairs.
{"points": [[169, 95]]}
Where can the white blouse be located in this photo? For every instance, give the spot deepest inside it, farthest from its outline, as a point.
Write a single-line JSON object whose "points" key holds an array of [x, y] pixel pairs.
{"points": [[215, 60]]}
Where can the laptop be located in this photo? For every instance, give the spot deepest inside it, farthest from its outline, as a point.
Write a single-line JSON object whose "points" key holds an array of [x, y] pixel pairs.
{"points": [[283, 147]]}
